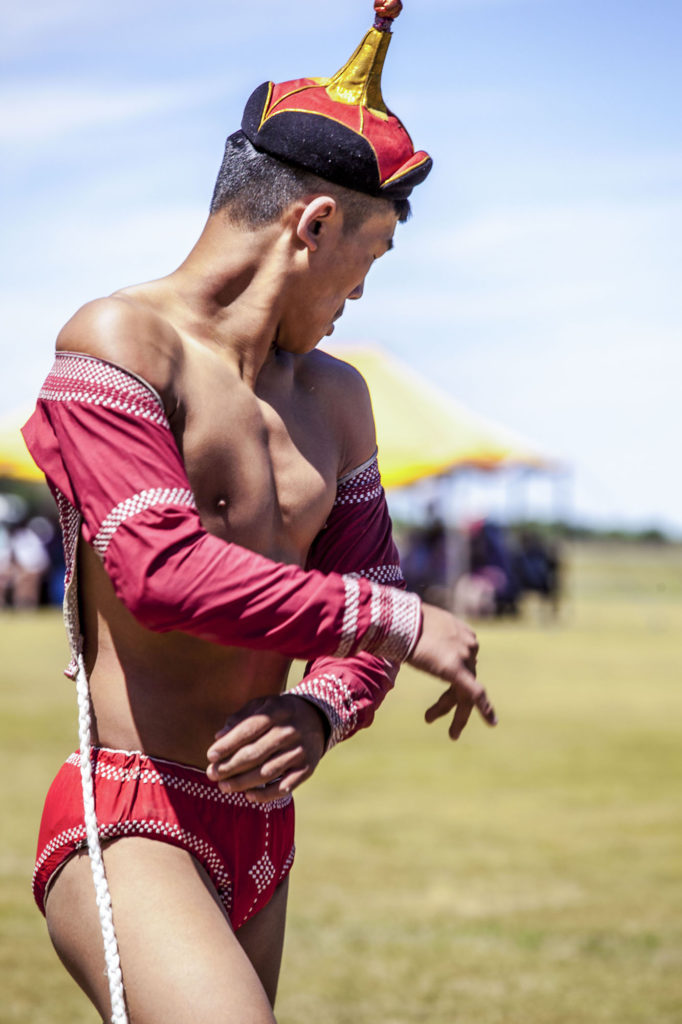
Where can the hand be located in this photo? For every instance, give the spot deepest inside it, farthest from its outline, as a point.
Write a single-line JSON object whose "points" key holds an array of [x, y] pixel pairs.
{"points": [[447, 648], [267, 748]]}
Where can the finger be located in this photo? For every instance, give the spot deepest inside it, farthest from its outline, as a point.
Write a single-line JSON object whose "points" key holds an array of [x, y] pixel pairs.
{"points": [[460, 719], [271, 708], [264, 774], [443, 705], [234, 737], [472, 658], [251, 755], [486, 709], [278, 789], [248, 710], [463, 688]]}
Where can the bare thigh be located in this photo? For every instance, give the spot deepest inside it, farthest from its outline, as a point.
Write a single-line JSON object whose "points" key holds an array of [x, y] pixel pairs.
{"points": [[262, 939], [181, 960]]}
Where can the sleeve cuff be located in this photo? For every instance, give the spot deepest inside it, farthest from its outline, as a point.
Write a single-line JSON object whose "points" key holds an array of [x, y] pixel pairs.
{"points": [[334, 699]]}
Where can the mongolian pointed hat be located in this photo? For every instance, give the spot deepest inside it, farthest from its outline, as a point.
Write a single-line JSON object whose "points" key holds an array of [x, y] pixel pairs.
{"points": [[340, 128]]}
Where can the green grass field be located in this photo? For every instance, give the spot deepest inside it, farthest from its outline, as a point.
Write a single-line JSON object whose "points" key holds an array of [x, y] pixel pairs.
{"points": [[530, 874]]}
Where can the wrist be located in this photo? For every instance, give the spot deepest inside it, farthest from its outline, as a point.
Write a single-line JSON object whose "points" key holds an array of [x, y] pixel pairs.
{"points": [[323, 720]]}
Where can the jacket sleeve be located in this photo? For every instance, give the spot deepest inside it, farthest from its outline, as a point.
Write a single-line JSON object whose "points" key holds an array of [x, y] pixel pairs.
{"points": [[102, 438], [356, 539]]}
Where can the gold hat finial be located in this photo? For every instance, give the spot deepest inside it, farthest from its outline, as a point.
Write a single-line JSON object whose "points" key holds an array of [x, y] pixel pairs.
{"points": [[358, 82]]}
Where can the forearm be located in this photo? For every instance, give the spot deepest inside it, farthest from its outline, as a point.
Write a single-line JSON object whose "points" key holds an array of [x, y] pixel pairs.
{"points": [[347, 692], [194, 582]]}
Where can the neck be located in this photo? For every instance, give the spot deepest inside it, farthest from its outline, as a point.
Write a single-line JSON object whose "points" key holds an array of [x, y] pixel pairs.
{"points": [[232, 286]]}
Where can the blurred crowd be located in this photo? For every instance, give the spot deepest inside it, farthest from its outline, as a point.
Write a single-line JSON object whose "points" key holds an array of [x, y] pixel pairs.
{"points": [[483, 570], [31, 556]]}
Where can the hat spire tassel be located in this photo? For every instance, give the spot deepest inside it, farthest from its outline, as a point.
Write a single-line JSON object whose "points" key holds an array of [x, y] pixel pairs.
{"points": [[359, 80]]}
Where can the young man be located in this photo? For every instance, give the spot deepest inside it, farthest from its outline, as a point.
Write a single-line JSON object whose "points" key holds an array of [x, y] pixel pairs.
{"points": [[217, 483]]}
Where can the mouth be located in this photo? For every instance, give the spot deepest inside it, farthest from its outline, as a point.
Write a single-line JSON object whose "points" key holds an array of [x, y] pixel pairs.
{"points": [[337, 316]]}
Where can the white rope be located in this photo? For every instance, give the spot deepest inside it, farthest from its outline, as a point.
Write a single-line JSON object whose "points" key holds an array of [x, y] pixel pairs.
{"points": [[102, 895]]}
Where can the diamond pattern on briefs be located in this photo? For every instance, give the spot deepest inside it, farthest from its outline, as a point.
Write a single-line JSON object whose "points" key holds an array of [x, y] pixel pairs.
{"points": [[263, 873]]}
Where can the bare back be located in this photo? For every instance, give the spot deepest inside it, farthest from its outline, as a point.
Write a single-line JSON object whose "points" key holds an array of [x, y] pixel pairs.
{"points": [[262, 464]]}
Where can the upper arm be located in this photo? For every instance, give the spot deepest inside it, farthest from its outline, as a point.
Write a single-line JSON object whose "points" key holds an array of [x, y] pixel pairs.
{"points": [[346, 395], [359, 431], [129, 335]]}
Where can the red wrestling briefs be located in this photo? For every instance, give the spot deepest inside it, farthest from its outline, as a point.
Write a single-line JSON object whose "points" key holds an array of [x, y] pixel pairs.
{"points": [[103, 440], [246, 849]]}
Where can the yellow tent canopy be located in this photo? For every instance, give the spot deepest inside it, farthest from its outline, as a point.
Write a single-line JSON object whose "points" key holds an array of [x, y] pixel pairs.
{"points": [[15, 461], [422, 432]]}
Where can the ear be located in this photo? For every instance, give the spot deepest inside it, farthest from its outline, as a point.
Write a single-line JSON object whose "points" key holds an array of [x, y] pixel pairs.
{"points": [[318, 214]]}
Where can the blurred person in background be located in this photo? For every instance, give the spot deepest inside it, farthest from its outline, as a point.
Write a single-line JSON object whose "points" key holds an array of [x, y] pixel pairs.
{"points": [[5, 567], [30, 563]]}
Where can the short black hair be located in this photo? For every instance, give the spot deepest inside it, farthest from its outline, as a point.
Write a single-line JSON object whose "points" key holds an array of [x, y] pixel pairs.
{"points": [[255, 188]]}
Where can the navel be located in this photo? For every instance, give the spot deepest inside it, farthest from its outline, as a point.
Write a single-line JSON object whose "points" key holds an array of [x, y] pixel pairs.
{"points": [[221, 504]]}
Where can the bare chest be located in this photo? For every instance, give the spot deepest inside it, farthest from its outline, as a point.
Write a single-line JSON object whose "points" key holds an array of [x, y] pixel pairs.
{"points": [[262, 466]]}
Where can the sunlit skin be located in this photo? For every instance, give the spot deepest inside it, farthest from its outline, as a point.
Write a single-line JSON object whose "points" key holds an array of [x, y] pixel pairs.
{"points": [[228, 340]]}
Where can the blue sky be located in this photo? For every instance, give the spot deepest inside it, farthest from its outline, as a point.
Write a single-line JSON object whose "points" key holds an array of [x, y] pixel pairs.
{"points": [[539, 279]]}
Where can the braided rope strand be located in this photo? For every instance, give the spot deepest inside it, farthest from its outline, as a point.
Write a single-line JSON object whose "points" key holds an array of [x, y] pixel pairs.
{"points": [[102, 895]]}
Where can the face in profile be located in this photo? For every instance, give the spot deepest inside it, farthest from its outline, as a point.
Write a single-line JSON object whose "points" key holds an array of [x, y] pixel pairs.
{"points": [[334, 271]]}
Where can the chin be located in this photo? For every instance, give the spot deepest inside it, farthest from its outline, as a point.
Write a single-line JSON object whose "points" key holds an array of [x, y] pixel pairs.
{"points": [[301, 344]]}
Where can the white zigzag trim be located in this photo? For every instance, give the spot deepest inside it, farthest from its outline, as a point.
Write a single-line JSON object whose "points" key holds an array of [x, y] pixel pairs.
{"points": [[404, 618], [387, 574], [335, 700], [351, 611], [204, 852], [75, 377], [199, 788], [134, 505]]}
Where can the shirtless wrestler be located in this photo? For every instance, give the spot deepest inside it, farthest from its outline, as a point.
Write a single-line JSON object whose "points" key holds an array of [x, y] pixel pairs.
{"points": [[216, 466]]}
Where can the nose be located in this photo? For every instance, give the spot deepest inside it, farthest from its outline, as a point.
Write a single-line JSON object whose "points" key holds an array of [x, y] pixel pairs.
{"points": [[357, 291]]}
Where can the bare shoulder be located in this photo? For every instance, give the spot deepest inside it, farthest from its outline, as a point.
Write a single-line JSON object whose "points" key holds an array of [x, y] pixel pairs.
{"points": [[129, 334], [345, 395]]}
